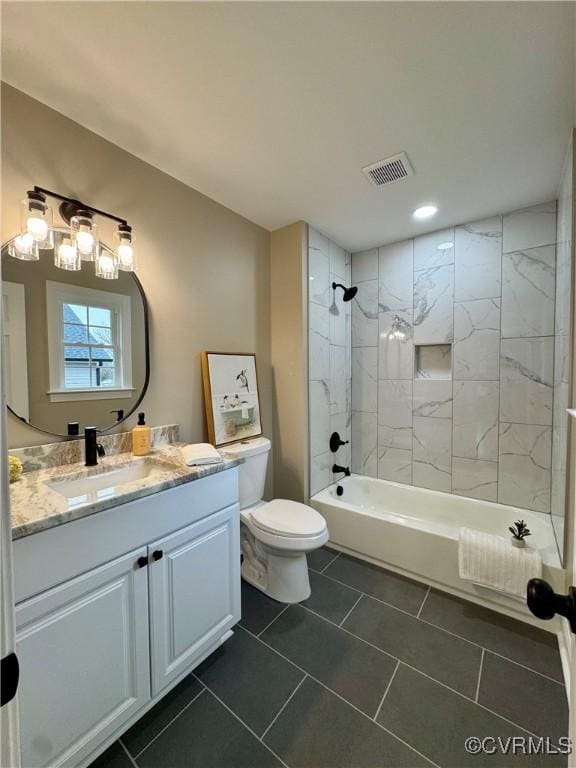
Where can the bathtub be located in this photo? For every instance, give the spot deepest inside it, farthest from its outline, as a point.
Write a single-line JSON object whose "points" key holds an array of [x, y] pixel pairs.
{"points": [[414, 532]]}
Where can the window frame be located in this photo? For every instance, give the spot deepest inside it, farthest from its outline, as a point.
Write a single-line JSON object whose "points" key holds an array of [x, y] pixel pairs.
{"points": [[120, 307]]}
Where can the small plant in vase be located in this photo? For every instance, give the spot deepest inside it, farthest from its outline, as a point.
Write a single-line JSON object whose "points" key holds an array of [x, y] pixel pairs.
{"points": [[519, 532]]}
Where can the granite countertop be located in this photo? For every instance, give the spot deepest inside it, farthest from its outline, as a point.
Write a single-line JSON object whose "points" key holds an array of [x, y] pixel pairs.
{"points": [[36, 506]]}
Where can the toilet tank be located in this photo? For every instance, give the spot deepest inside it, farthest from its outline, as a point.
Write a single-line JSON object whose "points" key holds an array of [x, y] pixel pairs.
{"points": [[252, 473]]}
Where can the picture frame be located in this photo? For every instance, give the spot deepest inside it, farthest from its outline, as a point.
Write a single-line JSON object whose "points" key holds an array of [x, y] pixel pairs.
{"points": [[231, 396]]}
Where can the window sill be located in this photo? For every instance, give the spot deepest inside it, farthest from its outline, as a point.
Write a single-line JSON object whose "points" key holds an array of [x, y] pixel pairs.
{"points": [[71, 395]]}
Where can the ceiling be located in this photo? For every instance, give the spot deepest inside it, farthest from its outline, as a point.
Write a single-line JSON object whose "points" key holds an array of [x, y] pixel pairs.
{"points": [[272, 109]]}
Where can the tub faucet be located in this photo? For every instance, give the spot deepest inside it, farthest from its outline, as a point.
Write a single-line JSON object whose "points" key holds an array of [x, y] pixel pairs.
{"points": [[336, 469], [92, 448]]}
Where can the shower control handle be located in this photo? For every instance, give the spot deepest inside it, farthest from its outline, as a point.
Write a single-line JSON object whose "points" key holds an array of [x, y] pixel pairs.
{"points": [[545, 603], [336, 442]]}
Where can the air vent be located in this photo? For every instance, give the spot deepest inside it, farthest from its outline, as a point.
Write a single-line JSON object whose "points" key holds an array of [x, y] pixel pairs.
{"points": [[389, 170]]}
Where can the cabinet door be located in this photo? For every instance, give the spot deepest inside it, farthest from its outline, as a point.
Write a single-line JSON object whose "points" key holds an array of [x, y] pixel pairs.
{"points": [[194, 592], [84, 659]]}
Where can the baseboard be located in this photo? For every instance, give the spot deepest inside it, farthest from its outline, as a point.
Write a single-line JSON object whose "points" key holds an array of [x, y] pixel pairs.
{"points": [[565, 645]]}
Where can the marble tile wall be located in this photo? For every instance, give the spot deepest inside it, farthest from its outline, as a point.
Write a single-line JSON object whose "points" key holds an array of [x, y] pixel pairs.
{"points": [[458, 356], [330, 360]]}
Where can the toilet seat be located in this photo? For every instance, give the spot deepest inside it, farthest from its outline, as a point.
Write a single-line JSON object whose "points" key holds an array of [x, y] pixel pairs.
{"points": [[282, 517]]}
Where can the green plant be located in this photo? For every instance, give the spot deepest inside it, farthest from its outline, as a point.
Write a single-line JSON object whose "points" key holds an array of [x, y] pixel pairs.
{"points": [[520, 530]]}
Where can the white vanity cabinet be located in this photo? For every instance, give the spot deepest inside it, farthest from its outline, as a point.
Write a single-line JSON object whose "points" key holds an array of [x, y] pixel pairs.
{"points": [[115, 608], [83, 653], [193, 598]]}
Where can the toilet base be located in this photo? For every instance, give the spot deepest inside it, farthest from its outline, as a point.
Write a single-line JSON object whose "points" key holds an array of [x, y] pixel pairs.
{"points": [[281, 575]]}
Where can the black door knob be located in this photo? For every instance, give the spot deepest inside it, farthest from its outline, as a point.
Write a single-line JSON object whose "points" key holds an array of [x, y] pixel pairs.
{"points": [[157, 554], [545, 603], [142, 562]]}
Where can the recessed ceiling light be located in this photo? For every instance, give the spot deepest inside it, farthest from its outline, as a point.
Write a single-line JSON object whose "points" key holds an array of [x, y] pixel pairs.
{"points": [[425, 212], [445, 246]]}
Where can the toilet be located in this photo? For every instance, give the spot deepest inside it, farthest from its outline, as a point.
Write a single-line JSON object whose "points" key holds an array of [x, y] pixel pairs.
{"points": [[275, 535]]}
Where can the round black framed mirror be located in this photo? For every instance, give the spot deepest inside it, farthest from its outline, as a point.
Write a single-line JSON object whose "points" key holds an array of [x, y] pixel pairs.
{"points": [[75, 345]]}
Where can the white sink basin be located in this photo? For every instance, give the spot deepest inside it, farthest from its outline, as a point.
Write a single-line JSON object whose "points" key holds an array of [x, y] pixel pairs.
{"points": [[81, 488]]}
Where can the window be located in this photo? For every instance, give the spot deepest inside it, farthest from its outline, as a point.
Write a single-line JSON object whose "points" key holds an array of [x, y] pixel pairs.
{"points": [[89, 342]]}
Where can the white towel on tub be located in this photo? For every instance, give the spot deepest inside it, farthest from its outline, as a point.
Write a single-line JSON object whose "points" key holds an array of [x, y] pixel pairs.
{"points": [[492, 561]]}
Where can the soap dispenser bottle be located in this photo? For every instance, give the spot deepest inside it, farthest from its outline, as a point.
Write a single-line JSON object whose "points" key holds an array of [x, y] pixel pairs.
{"points": [[141, 437]]}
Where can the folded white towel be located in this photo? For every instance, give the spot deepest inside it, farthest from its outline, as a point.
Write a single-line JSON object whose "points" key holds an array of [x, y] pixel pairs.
{"points": [[492, 561], [199, 454]]}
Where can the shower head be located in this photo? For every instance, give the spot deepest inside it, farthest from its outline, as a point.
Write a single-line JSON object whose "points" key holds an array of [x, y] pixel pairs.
{"points": [[349, 293]]}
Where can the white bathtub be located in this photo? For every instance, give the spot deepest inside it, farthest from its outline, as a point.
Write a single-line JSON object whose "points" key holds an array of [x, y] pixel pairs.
{"points": [[414, 531]]}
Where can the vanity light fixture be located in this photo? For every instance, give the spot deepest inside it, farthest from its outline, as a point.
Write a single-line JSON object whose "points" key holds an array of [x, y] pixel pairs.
{"points": [[425, 212], [124, 248], [82, 245], [24, 247], [67, 256], [107, 265], [84, 231], [36, 219]]}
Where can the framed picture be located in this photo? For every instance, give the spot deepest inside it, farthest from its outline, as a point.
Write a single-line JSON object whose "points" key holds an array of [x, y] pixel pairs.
{"points": [[231, 397]]}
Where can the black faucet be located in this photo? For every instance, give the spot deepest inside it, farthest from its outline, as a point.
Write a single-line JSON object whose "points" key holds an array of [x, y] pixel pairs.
{"points": [[336, 469], [92, 448]]}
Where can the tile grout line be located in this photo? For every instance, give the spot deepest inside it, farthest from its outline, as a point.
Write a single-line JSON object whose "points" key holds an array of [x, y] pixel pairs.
{"points": [[423, 601], [360, 596], [129, 756], [479, 677], [375, 718], [443, 629], [283, 707], [409, 666], [339, 696], [173, 720], [406, 664], [248, 728], [273, 620], [337, 555]]}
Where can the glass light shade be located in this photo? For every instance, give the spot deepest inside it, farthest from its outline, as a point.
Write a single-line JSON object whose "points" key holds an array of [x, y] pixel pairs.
{"points": [[107, 265], [84, 235], [36, 219], [67, 257], [24, 247], [123, 241]]}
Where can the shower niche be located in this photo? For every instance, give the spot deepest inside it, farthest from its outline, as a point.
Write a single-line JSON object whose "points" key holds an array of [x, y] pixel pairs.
{"points": [[433, 361]]}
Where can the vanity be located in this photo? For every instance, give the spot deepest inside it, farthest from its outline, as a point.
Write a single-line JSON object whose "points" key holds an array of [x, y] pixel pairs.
{"points": [[118, 596], [127, 573]]}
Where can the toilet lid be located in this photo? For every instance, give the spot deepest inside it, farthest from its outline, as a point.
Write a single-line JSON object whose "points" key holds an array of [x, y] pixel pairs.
{"points": [[288, 518]]}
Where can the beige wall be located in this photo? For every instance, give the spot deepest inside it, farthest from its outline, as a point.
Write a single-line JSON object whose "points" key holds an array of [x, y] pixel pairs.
{"points": [[289, 322], [205, 270]]}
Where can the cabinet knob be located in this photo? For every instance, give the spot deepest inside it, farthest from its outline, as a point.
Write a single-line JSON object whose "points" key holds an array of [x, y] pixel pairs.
{"points": [[142, 562], [157, 554]]}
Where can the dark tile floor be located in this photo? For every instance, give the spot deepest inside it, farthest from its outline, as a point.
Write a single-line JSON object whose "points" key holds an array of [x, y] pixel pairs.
{"points": [[372, 671]]}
